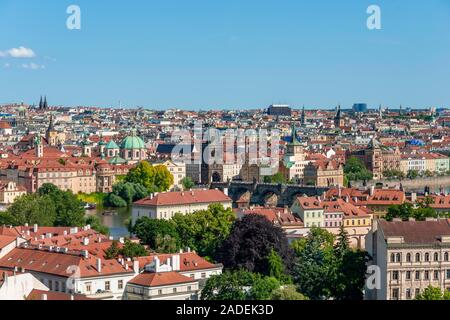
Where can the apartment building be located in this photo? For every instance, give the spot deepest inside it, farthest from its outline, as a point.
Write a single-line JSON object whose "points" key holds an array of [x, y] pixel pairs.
{"points": [[9, 191], [165, 205], [310, 210], [411, 255]]}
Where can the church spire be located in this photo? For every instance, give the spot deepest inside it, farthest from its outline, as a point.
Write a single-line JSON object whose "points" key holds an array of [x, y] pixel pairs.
{"points": [[303, 119], [45, 105], [41, 104]]}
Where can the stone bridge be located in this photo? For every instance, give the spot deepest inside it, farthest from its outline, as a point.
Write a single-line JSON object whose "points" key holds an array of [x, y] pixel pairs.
{"points": [[263, 193]]}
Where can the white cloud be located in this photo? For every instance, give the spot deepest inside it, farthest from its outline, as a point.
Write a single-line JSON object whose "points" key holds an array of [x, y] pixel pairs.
{"points": [[20, 52], [33, 66]]}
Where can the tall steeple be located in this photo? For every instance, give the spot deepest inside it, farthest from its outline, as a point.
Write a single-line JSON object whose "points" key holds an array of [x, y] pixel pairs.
{"points": [[45, 106], [338, 119], [303, 119], [41, 104], [380, 112]]}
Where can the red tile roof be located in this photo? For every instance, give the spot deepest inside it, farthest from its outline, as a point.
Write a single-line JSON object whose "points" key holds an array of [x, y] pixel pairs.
{"points": [[310, 203], [184, 198], [53, 295], [148, 279], [416, 232]]}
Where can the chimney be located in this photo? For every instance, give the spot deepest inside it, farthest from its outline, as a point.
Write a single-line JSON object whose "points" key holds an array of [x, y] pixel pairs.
{"points": [[35, 228], [99, 265], [85, 254], [157, 264], [126, 266], [339, 192], [188, 249], [44, 296], [347, 199], [72, 297], [372, 191], [65, 232], [225, 190], [176, 262], [122, 240], [136, 266], [85, 241]]}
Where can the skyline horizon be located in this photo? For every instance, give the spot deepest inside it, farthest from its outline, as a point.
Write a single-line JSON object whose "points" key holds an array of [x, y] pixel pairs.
{"points": [[204, 54]]}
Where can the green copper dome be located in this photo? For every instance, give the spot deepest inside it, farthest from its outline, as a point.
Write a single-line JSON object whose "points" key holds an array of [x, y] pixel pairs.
{"points": [[117, 160], [133, 142], [112, 145]]}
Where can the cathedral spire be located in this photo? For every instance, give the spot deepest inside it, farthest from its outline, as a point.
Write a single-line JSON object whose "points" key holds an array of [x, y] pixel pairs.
{"points": [[303, 119], [41, 104]]}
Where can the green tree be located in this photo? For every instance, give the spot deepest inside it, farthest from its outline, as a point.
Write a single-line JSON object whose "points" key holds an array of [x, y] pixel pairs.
{"points": [[133, 250], [263, 287], [412, 174], [33, 209], [165, 244], [69, 209], [288, 292], [433, 293], [154, 179], [205, 230], [228, 286], [276, 178], [276, 267], [6, 219], [187, 183], [148, 230], [144, 174], [355, 170], [163, 178], [96, 224], [115, 201], [113, 251]]}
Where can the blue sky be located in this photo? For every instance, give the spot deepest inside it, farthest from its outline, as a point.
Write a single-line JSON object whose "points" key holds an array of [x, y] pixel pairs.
{"points": [[201, 54]]}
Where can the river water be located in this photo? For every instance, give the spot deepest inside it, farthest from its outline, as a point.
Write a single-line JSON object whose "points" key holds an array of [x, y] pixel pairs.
{"points": [[117, 223]]}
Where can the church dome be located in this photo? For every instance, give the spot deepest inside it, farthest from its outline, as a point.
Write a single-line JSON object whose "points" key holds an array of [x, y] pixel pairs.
{"points": [[133, 142]]}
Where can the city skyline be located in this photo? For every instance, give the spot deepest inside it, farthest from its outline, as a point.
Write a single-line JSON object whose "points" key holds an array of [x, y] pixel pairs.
{"points": [[163, 56]]}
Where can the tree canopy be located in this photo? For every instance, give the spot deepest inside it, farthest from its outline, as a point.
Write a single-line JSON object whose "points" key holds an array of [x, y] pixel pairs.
{"points": [[125, 193], [250, 243], [355, 170], [154, 179], [433, 293]]}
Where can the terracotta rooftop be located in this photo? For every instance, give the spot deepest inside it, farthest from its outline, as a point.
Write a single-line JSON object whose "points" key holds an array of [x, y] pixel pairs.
{"points": [[184, 198], [416, 232]]}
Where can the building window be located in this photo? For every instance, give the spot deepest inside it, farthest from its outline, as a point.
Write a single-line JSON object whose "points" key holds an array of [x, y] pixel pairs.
{"points": [[408, 257], [398, 257], [395, 294], [448, 273], [120, 284], [417, 291], [88, 287], [446, 256], [159, 292], [417, 257], [408, 275], [427, 275], [174, 290], [107, 286], [56, 285], [392, 257], [436, 256], [189, 288], [436, 275], [427, 257], [203, 275], [394, 275], [417, 275], [408, 293]]}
